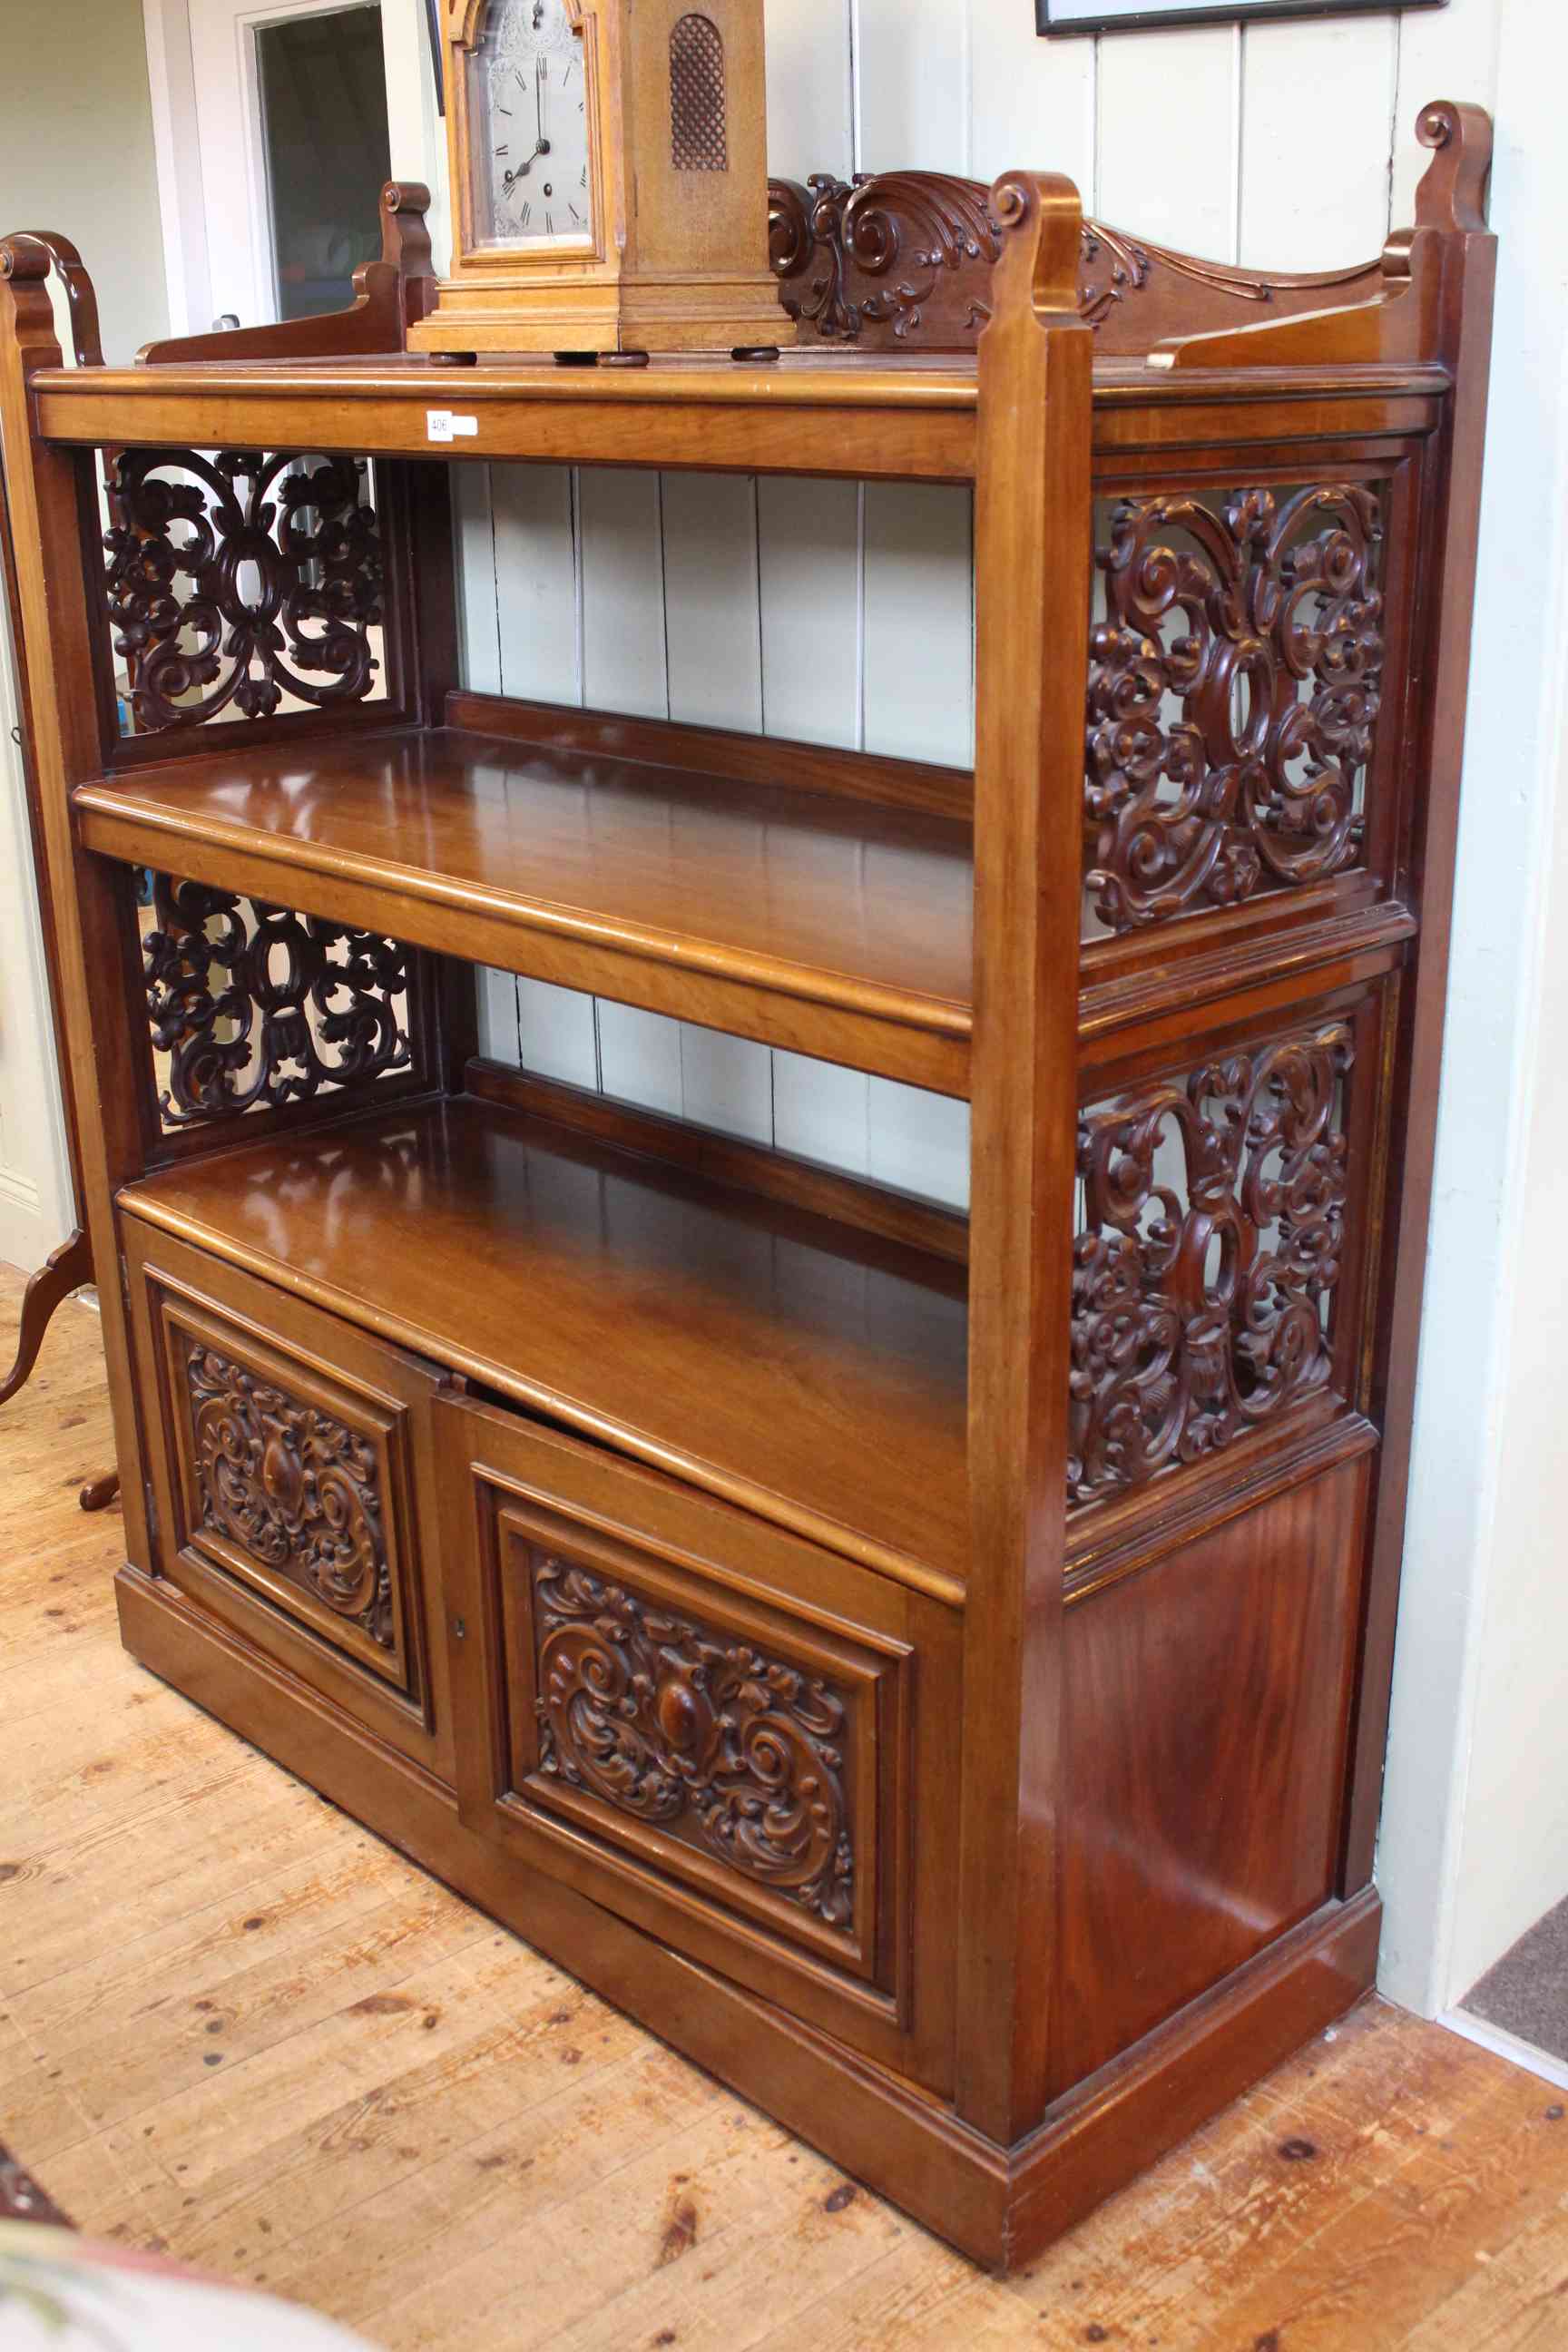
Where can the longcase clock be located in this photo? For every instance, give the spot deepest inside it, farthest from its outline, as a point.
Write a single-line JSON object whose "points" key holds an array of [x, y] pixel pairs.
{"points": [[609, 177]]}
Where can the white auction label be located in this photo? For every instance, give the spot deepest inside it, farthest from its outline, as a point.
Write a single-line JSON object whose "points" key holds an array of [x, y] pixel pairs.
{"points": [[441, 425]]}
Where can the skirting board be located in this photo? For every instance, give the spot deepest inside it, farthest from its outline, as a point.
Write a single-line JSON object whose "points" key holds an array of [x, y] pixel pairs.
{"points": [[999, 2206], [1503, 2044], [24, 1241]]}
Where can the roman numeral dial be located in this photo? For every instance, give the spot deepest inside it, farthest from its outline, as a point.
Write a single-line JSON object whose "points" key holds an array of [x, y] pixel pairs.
{"points": [[528, 128]]}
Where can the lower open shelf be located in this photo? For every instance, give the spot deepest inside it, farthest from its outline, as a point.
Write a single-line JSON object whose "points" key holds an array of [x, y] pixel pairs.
{"points": [[810, 1371], [755, 887]]}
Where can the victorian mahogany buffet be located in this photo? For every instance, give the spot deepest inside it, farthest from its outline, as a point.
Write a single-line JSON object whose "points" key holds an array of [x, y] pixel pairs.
{"points": [[933, 1671]]}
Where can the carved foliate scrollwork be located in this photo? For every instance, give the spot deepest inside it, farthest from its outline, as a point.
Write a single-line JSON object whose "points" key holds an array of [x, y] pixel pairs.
{"points": [[291, 1487], [694, 1731], [1234, 685], [1113, 267], [256, 1007], [876, 250], [1211, 1246], [240, 579], [900, 256]]}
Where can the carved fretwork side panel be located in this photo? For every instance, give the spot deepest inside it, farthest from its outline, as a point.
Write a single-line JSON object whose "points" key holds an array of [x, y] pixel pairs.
{"points": [[1235, 687], [696, 1733], [241, 584], [1212, 1237], [251, 1007]]}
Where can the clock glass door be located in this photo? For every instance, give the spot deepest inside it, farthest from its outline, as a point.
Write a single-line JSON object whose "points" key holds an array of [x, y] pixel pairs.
{"points": [[527, 130]]}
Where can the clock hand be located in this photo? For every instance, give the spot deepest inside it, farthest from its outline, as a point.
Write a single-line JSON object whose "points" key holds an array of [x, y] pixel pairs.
{"points": [[509, 178]]}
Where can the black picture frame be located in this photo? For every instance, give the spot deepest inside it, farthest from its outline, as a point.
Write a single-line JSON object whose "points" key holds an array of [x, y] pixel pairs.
{"points": [[1153, 16], [433, 21]]}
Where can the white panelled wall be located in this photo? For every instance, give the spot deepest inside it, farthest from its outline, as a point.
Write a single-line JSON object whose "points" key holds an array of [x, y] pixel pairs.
{"points": [[842, 613]]}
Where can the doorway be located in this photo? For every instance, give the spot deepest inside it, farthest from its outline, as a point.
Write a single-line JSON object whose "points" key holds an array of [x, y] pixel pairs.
{"points": [[272, 124], [321, 92]]}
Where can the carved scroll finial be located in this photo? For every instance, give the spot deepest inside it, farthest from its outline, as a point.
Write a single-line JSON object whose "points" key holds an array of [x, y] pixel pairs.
{"points": [[405, 248], [410, 196], [1041, 217], [1452, 195], [81, 302], [26, 261], [24, 256]]}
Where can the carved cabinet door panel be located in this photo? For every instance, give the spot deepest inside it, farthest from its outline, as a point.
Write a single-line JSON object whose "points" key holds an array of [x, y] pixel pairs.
{"points": [[740, 1742], [292, 1477]]}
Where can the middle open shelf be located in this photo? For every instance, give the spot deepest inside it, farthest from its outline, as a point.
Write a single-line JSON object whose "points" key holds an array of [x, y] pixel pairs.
{"points": [[789, 1361], [816, 900]]}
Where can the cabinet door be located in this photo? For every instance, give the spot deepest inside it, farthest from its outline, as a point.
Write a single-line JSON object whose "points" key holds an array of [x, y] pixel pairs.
{"points": [[293, 1472], [739, 1741]]}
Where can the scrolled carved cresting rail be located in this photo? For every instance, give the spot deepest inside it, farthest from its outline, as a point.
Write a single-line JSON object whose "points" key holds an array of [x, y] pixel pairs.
{"points": [[904, 260]]}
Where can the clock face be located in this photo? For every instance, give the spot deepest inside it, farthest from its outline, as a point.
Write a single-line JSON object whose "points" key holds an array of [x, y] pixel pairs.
{"points": [[528, 128]]}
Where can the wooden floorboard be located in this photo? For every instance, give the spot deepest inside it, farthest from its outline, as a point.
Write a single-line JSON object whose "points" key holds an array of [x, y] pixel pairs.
{"points": [[235, 2026]]}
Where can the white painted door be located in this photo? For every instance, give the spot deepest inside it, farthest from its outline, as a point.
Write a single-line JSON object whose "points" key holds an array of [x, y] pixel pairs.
{"points": [[292, 140], [207, 64]]}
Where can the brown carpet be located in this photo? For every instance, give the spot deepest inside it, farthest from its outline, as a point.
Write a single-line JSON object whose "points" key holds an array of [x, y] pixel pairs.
{"points": [[1526, 1992]]}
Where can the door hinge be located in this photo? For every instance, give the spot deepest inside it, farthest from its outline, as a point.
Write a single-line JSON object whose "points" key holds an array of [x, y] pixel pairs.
{"points": [[151, 1502]]}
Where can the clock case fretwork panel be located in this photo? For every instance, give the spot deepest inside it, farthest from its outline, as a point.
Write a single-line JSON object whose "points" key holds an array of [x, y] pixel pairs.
{"points": [[980, 1772]]}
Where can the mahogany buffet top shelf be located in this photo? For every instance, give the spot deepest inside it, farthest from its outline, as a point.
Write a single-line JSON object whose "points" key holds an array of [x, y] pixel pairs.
{"points": [[836, 925], [772, 1355], [809, 412]]}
